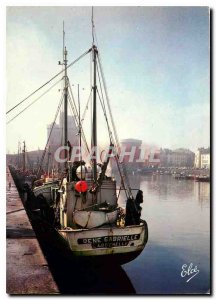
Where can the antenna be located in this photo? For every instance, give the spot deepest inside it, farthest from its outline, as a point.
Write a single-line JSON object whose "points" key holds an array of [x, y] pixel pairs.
{"points": [[63, 40], [92, 20]]}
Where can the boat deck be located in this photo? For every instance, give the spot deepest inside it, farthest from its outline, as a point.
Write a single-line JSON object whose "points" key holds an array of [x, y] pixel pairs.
{"points": [[27, 268]]}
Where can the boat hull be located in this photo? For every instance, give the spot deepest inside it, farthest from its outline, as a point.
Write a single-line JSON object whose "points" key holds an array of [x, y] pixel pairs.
{"points": [[203, 179], [107, 243], [65, 242]]}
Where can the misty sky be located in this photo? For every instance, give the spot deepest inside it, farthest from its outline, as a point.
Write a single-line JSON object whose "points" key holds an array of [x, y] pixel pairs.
{"points": [[155, 60]]}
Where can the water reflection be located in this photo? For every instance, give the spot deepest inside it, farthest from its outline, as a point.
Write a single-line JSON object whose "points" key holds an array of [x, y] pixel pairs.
{"points": [[178, 217], [202, 191], [165, 186], [158, 271], [84, 279]]}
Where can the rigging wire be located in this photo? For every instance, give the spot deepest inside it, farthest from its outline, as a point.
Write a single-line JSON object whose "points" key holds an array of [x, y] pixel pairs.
{"points": [[76, 121], [123, 168], [107, 99], [83, 117], [104, 107], [106, 94], [72, 97], [104, 112], [45, 149], [111, 139], [86, 107], [105, 91], [122, 171], [71, 64], [71, 110], [34, 101], [75, 113]]}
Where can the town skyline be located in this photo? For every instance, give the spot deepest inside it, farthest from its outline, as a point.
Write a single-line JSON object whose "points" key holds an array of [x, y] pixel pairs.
{"points": [[73, 137], [154, 145]]}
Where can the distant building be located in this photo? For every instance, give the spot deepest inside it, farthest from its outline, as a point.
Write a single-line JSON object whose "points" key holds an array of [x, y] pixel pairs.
{"points": [[56, 139], [72, 129], [176, 158], [128, 145], [138, 155], [165, 157], [183, 158], [202, 158]]}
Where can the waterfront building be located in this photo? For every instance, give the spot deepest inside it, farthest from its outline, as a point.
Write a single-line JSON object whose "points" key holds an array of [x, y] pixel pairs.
{"points": [[183, 158], [202, 158], [165, 157], [180, 157]]}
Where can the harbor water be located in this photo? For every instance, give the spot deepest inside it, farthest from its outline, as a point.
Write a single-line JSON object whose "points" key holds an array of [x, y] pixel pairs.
{"points": [[178, 217]]}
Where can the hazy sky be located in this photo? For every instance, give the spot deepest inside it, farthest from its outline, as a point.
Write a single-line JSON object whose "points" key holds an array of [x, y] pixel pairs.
{"points": [[155, 60]]}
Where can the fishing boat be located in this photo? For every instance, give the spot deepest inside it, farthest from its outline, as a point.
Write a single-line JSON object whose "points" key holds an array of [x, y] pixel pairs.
{"points": [[45, 187], [22, 171], [48, 182], [82, 204], [203, 178]]}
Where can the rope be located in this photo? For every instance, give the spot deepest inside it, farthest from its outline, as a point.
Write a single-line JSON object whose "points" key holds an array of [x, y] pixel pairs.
{"points": [[34, 101], [13, 211], [81, 56]]}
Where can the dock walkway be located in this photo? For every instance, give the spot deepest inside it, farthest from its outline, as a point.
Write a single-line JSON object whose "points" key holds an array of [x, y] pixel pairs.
{"points": [[27, 268]]}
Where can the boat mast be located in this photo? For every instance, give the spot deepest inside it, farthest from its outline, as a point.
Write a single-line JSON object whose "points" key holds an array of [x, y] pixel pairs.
{"points": [[48, 161], [65, 99], [94, 117], [18, 157], [94, 120], [24, 158]]}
